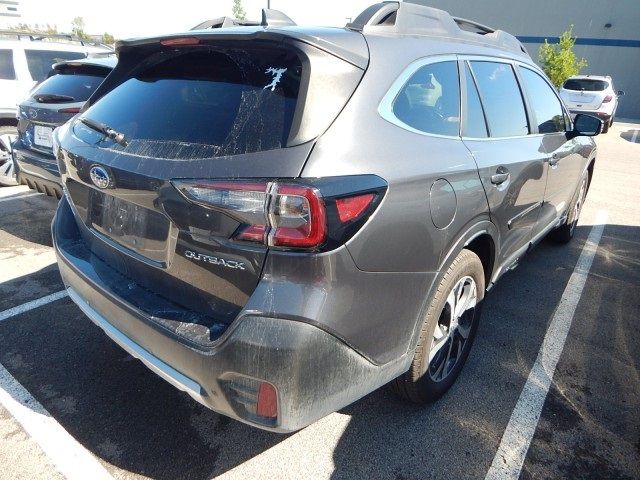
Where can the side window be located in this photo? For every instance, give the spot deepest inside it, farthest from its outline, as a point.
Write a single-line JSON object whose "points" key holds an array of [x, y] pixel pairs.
{"points": [[546, 106], [7, 72], [501, 99], [430, 100], [40, 61], [475, 125]]}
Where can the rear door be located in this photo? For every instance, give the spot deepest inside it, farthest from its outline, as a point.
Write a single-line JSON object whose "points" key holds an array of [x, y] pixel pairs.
{"points": [[510, 163], [564, 162]]}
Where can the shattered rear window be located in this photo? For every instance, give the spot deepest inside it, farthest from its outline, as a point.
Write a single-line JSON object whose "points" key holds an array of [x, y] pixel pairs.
{"points": [[203, 102]]}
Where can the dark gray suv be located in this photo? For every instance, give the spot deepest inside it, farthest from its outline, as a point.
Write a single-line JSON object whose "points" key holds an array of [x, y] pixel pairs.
{"points": [[278, 220]]}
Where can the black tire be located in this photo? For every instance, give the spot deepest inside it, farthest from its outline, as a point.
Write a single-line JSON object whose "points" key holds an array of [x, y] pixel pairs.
{"points": [[564, 233], [605, 127], [417, 384]]}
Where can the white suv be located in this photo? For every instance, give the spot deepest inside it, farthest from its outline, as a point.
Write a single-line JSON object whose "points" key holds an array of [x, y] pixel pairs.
{"points": [[593, 95], [26, 59]]}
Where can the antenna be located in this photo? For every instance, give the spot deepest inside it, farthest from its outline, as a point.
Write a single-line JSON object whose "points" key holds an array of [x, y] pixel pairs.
{"points": [[275, 18]]}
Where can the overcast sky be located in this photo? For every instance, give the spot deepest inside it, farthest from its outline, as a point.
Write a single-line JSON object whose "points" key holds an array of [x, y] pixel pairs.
{"points": [[131, 18]]}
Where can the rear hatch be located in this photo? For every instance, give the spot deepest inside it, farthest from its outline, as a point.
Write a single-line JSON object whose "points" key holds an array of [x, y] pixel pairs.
{"points": [[55, 101], [584, 93], [229, 106]]}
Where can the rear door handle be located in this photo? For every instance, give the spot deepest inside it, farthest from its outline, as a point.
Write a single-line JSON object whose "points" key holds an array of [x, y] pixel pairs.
{"points": [[501, 176]]}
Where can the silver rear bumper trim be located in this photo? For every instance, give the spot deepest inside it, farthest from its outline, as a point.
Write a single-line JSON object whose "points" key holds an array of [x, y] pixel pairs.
{"points": [[167, 372]]}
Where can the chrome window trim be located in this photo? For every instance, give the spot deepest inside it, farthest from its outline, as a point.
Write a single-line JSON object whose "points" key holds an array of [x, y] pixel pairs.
{"points": [[385, 108]]}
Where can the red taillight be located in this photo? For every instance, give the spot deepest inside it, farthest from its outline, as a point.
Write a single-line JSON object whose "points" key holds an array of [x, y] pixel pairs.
{"points": [[352, 207], [282, 215], [267, 401], [178, 42], [298, 216], [607, 99], [252, 233], [70, 110]]}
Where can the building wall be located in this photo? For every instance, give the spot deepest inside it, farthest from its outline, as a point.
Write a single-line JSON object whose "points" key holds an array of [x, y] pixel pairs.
{"points": [[613, 50], [10, 8]]}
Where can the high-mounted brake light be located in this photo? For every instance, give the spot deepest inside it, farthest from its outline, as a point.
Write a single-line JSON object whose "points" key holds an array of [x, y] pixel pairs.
{"points": [[70, 110], [178, 42], [607, 99]]}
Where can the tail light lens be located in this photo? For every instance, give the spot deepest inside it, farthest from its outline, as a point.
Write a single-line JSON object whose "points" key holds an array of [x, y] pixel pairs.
{"points": [[607, 99], [287, 215], [298, 217], [352, 207]]}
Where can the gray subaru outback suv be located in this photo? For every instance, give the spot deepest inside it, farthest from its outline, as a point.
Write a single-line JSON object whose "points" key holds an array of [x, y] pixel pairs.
{"points": [[278, 220]]}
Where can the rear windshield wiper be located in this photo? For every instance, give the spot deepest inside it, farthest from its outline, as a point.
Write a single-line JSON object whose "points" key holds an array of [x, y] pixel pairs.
{"points": [[107, 130], [52, 98]]}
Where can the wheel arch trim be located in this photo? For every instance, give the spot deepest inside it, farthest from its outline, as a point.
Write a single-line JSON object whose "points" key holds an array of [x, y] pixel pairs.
{"points": [[474, 229]]}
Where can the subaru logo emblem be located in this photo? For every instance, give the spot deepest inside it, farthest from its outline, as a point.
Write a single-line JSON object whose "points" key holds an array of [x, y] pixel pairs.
{"points": [[100, 177]]}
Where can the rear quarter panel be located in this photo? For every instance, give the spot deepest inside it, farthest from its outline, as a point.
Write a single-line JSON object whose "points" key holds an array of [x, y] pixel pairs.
{"points": [[401, 236]]}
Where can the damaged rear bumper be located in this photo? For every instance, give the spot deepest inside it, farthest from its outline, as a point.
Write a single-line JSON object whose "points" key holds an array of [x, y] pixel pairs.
{"points": [[313, 372]]}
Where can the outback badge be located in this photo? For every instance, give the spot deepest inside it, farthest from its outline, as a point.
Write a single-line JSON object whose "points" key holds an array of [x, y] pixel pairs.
{"points": [[200, 257]]}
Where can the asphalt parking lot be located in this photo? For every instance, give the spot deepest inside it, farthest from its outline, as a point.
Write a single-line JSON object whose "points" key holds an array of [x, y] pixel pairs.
{"points": [[73, 404]]}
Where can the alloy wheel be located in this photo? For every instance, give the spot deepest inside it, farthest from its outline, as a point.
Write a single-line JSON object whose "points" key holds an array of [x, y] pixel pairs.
{"points": [[453, 329], [579, 202]]}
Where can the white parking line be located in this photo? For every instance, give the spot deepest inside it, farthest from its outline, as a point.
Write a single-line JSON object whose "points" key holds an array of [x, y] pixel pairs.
{"points": [[69, 457], [508, 461], [19, 196], [25, 307], [634, 136]]}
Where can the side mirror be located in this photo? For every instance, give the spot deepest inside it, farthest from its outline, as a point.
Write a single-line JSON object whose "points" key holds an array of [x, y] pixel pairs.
{"points": [[620, 93], [586, 125]]}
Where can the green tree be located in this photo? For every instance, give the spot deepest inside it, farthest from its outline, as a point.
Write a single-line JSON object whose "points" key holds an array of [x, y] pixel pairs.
{"points": [[559, 61], [77, 28], [108, 39], [238, 11]]}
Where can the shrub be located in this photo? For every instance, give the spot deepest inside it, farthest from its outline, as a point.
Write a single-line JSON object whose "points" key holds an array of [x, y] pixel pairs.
{"points": [[558, 60]]}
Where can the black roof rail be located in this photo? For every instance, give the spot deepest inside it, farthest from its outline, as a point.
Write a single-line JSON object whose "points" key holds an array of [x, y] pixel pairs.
{"points": [[275, 18]]}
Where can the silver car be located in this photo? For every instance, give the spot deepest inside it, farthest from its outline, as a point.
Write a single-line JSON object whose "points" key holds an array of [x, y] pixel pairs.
{"points": [[279, 220]]}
